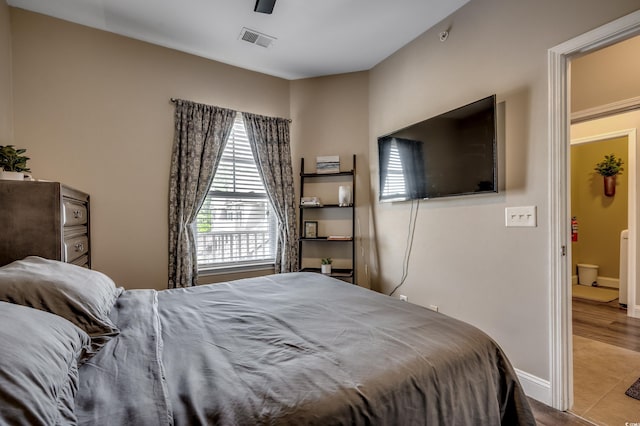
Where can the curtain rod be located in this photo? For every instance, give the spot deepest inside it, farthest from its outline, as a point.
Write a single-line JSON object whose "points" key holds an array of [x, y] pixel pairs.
{"points": [[174, 100]]}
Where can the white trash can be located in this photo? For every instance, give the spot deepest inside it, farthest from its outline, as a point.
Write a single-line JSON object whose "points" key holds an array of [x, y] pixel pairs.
{"points": [[587, 274]]}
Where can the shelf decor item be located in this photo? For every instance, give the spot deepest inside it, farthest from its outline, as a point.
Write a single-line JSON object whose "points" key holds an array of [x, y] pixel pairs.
{"points": [[310, 201], [609, 168], [310, 229], [344, 196], [339, 238], [325, 267], [12, 163], [328, 164]]}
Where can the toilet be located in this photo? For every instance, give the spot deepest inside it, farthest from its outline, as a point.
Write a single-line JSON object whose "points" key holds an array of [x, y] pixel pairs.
{"points": [[587, 274]]}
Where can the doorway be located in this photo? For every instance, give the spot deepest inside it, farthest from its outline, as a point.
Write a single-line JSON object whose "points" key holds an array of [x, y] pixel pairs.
{"points": [[599, 219], [606, 357], [559, 59]]}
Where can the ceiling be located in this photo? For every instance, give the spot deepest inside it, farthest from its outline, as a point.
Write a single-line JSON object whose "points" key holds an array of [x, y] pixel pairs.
{"points": [[313, 38]]}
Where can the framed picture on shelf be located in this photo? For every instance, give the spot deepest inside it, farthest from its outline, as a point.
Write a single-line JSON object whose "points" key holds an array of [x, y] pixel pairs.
{"points": [[328, 164], [310, 229]]}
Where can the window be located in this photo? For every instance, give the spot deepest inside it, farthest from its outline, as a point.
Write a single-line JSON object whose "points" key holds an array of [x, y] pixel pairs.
{"points": [[236, 226]]}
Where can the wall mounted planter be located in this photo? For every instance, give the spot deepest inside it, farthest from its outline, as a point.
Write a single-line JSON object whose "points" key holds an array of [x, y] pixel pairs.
{"points": [[610, 185]]}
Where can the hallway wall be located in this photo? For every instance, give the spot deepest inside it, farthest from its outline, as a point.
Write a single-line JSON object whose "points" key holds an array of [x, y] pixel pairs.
{"points": [[606, 76]]}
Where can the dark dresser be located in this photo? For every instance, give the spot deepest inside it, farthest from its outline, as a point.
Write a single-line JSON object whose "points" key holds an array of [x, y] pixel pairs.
{"points": [[46, 219]]}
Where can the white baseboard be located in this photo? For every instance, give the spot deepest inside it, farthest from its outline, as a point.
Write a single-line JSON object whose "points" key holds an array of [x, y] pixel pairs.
{"points": [[636, 311], [609, 282], [535, 387], [602, 281]]}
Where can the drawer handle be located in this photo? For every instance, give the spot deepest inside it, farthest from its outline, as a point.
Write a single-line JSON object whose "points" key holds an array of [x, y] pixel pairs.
{"points": [[79, 247], [77, 214]]}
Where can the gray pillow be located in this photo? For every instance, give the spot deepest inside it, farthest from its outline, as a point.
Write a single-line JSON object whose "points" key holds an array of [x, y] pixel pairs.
{"points": [[78, 294], [38, 366]]}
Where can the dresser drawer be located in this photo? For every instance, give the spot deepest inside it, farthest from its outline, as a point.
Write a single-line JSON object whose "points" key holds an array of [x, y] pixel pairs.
{"points": [[75, 247], [75, 231], [74, 213], [82, 261]]}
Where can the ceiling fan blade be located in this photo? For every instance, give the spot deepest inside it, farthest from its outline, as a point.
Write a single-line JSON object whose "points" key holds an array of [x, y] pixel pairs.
{"points": [[264, 6]]}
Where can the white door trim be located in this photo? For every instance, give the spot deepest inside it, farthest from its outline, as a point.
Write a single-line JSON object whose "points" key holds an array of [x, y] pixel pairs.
{"points": [[561, 366], [631, 170]]}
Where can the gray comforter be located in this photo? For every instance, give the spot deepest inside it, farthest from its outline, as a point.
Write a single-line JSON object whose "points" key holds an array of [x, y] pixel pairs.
{"points": [[294, 349]]}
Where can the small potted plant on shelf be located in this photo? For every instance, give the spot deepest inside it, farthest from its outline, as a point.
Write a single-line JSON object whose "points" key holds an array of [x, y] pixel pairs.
{"points": [[12, 163], [326, 265], [609, 168]]}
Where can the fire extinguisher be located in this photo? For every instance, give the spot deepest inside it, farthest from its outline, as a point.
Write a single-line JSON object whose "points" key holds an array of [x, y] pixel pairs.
{"points": [[574, 229]]}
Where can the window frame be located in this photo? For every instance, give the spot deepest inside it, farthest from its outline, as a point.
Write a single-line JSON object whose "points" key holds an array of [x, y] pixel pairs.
{"points": [[239, 266]]}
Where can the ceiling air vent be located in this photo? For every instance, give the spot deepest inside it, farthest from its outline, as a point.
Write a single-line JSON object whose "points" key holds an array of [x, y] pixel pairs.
{"points": [[254, 37]]}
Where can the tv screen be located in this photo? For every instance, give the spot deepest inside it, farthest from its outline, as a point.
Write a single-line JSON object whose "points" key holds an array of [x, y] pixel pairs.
{"points": [[454, 153]]}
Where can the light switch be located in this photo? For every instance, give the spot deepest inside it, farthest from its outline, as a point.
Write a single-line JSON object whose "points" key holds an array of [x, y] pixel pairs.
{"points": [[520, 216]]}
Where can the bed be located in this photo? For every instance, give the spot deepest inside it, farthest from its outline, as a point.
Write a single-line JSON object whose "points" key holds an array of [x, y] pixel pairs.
{"points": [[286, 349]]}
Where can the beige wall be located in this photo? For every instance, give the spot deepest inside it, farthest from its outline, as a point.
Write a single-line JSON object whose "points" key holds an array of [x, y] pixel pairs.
{"points": [[464, 259], [6, 107], [606, 76], [600, 218], [330, 117], [93, 110]]}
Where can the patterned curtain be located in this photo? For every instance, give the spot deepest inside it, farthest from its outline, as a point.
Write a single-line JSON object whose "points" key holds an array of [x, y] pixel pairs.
{"points": [[269, 140], [201, 132]]}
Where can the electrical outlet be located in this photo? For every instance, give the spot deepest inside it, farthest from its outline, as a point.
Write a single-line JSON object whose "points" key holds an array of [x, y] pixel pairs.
{"points": [[404, 298], [520, 216]]}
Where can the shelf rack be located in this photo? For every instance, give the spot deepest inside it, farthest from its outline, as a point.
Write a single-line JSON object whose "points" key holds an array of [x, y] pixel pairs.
{"points": [[346, 274]]}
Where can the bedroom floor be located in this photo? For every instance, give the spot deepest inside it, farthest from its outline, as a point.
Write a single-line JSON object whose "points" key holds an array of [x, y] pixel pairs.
{"points": [[606, 356]]}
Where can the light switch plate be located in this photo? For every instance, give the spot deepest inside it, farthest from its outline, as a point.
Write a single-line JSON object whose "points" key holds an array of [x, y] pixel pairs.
{"points": [[524, 216]]}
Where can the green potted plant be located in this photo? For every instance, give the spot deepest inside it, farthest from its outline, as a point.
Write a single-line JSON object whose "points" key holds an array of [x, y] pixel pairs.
{"points": [[12, 163], [326, 265], [609, 168]]}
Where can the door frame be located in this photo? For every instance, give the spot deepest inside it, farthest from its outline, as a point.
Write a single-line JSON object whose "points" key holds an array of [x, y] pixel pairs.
{"points": [[560, 330]]}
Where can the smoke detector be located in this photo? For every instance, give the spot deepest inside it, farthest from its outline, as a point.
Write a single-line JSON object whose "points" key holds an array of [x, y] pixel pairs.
{"points": [[255, 37]]}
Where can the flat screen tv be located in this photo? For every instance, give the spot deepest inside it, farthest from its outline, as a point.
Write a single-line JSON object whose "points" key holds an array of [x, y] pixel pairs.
{"points": [[451, 154]]}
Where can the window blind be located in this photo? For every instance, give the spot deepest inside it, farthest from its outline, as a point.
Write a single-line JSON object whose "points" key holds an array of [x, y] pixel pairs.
{"points": [[235, 225]]}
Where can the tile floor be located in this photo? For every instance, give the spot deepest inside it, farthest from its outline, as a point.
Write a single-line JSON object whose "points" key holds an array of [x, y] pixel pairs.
{"points": [[601, 375]]}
